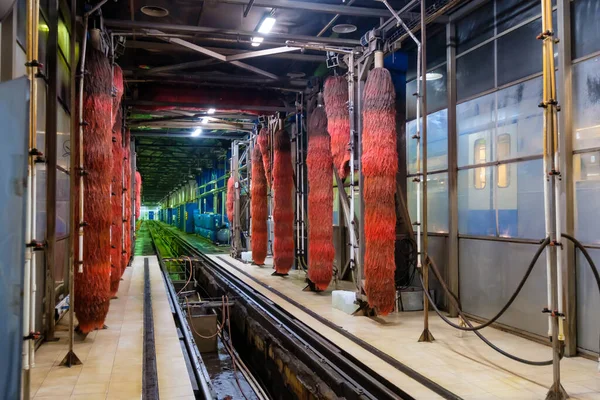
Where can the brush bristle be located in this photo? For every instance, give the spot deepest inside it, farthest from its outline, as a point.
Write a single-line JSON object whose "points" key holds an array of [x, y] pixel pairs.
{"points": [[264, 142], [92, 285], [335, 95], [319, 160], [379, 167], [283, 211], [259, 208]]}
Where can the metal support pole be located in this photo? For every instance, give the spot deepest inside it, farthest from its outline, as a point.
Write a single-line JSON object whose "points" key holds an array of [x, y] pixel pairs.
{"points": [[71, 359], [235, 232], [426, 336], [552, 176], [565, 90], [453, 271], [51, 163], [354, 253]]}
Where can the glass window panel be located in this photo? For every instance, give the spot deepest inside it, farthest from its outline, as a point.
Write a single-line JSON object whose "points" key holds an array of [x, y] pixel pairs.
{"points": [[520, 117], [586, 173], [586, 29], [436, 53], [586, 104], [479, 157], [64, 81], [63, 130], [437, 142], [519, 53], [43, 32], [437, 96], [503, 145], [476, 214], [510, 13], [475, 72], [437, 201], [62, 204], [64, 40], [476, 119], [475, 28], [519, 212]]}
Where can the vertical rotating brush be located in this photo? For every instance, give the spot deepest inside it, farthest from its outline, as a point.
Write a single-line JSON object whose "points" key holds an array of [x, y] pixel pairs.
{"points": [[264, 142], [283, 204], [379, 167], [116, 233], [338, 122], [92, 282], [138, 194], [127, 193], [259, 208], [230, 199], [319, 162]]}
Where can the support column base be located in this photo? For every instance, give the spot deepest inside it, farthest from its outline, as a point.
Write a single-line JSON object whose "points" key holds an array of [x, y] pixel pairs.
{"points": [[70, 360], [557, 393], [426, 336]]}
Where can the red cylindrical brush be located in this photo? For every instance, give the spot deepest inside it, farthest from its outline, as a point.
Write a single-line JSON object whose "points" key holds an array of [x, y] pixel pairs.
{"points": [[283, 204], [230, 199], [259, 208], [319, 162], [264, 141], [138, 194], [92, 285], [116, 234], [126, 252], [379, 167], [338, 122]]}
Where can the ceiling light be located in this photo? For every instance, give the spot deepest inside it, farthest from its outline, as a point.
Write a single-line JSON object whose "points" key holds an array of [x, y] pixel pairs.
{"points": [[266, 25], [257, 40], [154, 11], [344, 28], [433, 76], [211, 111], [197, 132]]}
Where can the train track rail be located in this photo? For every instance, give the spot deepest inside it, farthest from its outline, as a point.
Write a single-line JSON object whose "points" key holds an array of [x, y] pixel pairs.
{"points": [[355, 380]]}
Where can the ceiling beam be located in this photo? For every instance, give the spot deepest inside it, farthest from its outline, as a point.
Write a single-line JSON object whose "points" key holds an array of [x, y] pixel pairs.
{"points": [[147, 103], [124, 24], [144, 45], [320, 8], [216, 55]]}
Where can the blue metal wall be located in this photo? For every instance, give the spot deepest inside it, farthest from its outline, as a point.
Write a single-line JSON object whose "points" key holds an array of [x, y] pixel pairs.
{"points": [[14, 100]]}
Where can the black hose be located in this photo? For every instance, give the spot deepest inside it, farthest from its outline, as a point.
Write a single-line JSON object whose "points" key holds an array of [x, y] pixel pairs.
{"points": [[507, 305], [591, 263], [453, 297]]}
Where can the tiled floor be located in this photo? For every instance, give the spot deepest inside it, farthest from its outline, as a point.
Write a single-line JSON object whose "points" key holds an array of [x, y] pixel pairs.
{"points": [[112, 358], [461, 363]]}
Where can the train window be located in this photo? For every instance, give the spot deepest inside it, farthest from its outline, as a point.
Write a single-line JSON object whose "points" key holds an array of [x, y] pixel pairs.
{"points": [[479, 157], [503, 153]]}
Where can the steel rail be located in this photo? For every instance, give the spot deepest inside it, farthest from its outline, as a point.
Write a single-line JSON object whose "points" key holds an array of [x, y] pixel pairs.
{"points": [[360, 377]]}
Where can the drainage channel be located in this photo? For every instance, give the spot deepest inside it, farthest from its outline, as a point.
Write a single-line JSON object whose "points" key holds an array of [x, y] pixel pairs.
{"points": [[291, 359]]}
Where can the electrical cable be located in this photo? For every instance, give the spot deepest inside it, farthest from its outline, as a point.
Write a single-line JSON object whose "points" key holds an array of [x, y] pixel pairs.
{"points": [[510, 301], [466, 320], [191, 273], [483, 338], [592, 265]]}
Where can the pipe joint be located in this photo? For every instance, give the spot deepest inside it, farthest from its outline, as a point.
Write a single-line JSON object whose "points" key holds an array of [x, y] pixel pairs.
{"points": [[32, 336], [544, 35], [36, 245]]}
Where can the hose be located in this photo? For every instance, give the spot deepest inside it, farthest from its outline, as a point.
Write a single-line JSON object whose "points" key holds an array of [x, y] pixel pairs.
{"points": [[593, 267], [510, 301], [453, 298]]}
